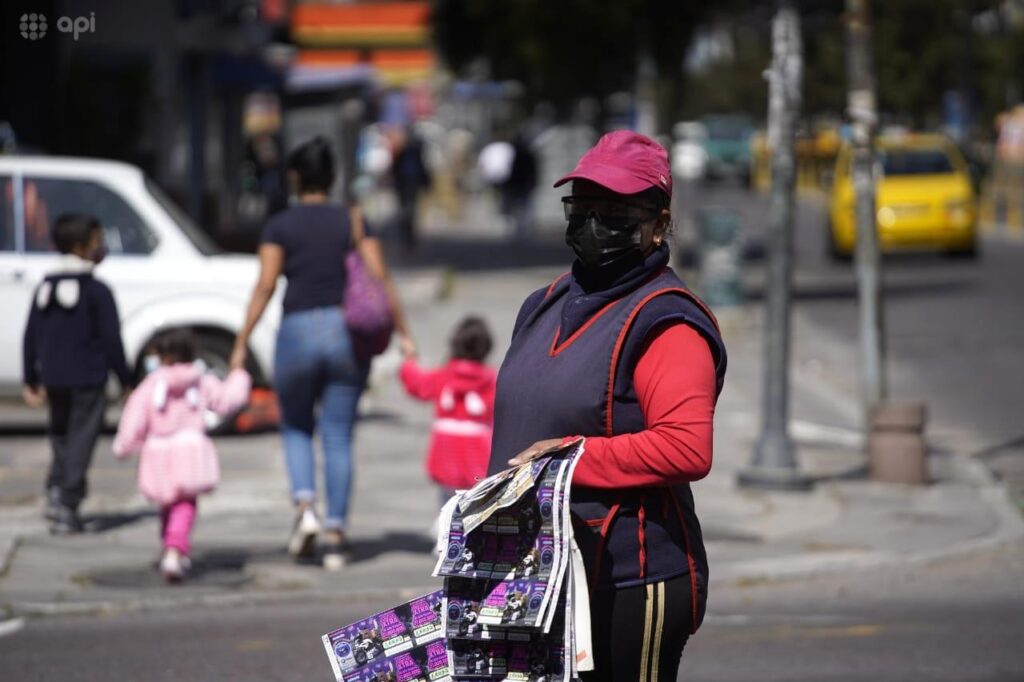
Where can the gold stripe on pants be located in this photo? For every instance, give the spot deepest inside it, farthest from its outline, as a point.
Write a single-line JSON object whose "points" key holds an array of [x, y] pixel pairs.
{"points": [[654, 622], [658, 625], [649, 610]]}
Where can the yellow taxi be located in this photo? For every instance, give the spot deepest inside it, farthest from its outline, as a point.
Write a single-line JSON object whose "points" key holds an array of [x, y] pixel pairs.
{"points": [[924, 198]]}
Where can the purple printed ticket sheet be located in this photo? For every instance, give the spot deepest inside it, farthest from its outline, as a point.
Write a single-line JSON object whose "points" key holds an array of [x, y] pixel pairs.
{"points": [[356, 648], [506, 612]]}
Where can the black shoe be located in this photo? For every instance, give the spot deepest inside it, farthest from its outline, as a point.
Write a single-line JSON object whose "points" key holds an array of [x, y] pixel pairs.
{"points": [[53, 504], [335, 555], [67, 522]]}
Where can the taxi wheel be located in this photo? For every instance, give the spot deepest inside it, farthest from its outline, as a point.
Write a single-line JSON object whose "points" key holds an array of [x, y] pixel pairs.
{"points": [[966, 251], [832, 249]]}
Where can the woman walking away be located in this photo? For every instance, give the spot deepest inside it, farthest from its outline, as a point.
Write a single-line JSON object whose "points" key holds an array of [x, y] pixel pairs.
{"points": [[463, 395], [619, 351], [164, 422], [314, 362]]}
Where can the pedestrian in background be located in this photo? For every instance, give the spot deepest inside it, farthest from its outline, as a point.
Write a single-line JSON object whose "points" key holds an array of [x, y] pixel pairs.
{"points": [[463, 395], [411, 176], [620, 352], [517, 189], [71, 344], [315, 364], [163, 421]]}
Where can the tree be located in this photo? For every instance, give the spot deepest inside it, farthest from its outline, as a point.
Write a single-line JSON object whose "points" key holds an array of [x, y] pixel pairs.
{"points": [[561, 51]]}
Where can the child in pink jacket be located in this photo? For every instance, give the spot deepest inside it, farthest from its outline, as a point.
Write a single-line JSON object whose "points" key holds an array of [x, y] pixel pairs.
{"points": [[164, 422]]}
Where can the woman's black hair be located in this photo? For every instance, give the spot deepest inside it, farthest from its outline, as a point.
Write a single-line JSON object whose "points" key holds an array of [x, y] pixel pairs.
{"points": [[313, 163], [73, 229], [655, 197], [471, 340], [652, 196], [175, 345]]}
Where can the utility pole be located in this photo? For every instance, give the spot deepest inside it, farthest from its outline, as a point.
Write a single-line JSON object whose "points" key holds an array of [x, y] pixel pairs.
{"points": [[774, 460], [862, 109]]}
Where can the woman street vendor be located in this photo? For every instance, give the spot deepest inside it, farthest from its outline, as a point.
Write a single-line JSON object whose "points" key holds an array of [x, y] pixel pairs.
{"points": [[619, 351]]}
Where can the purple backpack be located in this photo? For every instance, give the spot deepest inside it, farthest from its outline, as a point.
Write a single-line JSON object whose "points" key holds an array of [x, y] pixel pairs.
{"points": [[367, 312]]}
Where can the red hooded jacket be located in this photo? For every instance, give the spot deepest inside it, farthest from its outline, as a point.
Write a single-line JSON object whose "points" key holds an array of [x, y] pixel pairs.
{"points": [[463, 395]]}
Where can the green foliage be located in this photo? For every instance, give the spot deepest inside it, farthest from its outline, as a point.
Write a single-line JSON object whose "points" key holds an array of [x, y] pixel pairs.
{"points": [[922, 49], [565, 49], [734, 85]]}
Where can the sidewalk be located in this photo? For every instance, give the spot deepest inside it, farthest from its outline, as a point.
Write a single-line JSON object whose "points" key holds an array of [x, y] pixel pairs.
{"points": [[844, 524]]}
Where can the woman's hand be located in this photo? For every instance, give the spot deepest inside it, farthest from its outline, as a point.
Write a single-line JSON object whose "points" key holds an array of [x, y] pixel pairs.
{"points": [[238, 357], [538, 449], [407, 346]]}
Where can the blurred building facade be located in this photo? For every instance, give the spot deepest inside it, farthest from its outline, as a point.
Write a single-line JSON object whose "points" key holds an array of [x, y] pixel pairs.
{"points": [[207, 95]]}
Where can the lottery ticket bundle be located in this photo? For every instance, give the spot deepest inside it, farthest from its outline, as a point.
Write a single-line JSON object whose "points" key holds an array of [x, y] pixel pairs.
{"points": [[514, 607]]}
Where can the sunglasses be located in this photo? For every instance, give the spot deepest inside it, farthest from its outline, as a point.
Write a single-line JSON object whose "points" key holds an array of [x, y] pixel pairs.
{"points": [[614, 213]]}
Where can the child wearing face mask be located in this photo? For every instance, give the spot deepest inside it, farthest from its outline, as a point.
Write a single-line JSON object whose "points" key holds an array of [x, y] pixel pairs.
{"points": [[72, 342], [164, 422]]}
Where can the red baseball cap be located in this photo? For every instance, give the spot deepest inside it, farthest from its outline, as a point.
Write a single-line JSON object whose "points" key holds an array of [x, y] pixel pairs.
{"points": [[624, 162]]}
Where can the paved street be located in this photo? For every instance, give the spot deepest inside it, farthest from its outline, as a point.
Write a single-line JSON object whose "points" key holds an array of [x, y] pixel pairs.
{"points": [[852, 581], [958, 622]]}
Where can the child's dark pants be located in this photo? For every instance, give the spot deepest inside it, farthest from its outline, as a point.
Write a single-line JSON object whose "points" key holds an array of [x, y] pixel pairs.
{"points": [[76, 417]]}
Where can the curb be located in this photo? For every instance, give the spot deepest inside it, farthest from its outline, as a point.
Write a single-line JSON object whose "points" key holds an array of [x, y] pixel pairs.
{"points": [[142, 605]]}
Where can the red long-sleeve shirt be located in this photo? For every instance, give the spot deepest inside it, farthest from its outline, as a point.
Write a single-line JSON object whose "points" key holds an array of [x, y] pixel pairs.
{"points": [[675, 385]]}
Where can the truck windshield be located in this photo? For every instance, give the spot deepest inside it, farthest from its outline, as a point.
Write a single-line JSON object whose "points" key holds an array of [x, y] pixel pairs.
{"points": [[192, 232]]}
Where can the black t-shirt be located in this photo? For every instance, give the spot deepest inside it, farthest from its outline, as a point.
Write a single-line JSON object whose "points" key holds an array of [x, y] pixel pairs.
{"points": [[315, 238]]}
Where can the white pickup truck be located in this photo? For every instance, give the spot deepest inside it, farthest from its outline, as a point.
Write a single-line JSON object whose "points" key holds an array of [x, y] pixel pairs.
{"points": [[164, 271]]}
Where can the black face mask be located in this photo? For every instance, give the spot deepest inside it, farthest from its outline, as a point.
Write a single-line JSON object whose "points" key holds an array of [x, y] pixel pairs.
{"points": [[600, 247]]}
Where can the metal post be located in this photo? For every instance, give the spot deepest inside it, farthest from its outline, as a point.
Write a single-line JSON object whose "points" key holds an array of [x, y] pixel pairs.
{"points": [[197, 136], [774, 461], [863, 117]]}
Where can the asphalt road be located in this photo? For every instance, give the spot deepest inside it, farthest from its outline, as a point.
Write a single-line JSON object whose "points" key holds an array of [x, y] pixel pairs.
{"points": [[959, 621]]}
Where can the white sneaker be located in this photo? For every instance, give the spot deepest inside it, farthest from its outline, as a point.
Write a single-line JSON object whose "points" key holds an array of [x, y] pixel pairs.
{"points": [[302, 543], [174, 565]]}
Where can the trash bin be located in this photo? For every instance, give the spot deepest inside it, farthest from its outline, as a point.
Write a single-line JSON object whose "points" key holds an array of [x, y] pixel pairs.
{"points": [[720, 257], [897, 450]]}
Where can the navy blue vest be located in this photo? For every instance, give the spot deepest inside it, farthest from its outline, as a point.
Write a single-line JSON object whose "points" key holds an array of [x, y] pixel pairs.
{"points": [[551, 386]]}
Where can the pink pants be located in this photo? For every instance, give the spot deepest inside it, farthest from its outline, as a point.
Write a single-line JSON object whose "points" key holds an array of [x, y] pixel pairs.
{"points": [[176, 521]]}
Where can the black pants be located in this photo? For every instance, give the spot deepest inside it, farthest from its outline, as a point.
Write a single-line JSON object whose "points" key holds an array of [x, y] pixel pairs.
{"points": [[76, 417], [639, 632]]}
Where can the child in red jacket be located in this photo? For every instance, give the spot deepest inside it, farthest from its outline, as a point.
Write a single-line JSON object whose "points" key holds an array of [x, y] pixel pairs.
{"points": [[463, 395]]}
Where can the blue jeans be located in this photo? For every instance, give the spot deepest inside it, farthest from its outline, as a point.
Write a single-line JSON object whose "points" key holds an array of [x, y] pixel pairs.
{"points": [[314, 365]]}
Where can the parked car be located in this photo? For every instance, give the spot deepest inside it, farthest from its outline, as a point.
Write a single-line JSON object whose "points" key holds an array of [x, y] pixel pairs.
{"points": [[924, 198], [164, 270], [728, 146]]}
